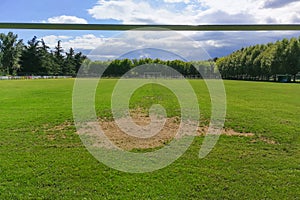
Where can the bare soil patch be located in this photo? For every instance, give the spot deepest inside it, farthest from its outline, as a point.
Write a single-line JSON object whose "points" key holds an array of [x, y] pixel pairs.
{"points": [[128, 142], [163, 137], [265, 140]]}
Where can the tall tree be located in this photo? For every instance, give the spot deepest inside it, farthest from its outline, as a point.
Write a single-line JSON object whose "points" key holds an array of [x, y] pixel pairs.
{"points": [[1, 68], [47, 59], [79, 60], [69, 63], [11, 49], [59, 59], [292, 58], [31, 60]]}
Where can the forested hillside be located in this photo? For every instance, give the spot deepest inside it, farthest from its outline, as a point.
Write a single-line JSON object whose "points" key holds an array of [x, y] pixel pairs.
{"points": [[262, 61]]}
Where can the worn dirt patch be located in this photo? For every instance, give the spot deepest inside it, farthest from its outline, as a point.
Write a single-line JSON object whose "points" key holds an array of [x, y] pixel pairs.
{"points": [[140, 118], [231, 132], [64, 126], [265, 140], [128, 142], [57, 132]]}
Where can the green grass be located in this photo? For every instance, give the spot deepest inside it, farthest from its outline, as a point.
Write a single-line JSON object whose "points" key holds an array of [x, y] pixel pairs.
{"points": [[40, 161]]}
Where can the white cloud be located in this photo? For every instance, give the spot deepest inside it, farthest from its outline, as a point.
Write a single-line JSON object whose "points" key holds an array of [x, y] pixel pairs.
{"points": [[215, 43], [64, 19], [139, 12], [172, 42], [197, 11], [177, 1], [51, 40], [84, 42], [132, 40], [256, 10]]}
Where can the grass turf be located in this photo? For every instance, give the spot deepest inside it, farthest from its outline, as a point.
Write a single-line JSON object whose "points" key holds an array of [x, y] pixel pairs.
{"points": [[40, 160]]}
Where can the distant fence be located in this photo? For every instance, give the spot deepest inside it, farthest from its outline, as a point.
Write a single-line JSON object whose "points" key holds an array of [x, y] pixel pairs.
{"points": [[32, 77]]}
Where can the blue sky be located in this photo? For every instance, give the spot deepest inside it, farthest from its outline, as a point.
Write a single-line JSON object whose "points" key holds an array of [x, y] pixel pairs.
{"points": [[152, 12], [37, 10]]}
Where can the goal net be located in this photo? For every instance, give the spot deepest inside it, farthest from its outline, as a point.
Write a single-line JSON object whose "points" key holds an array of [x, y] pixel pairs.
{"points": [[152, 75]]}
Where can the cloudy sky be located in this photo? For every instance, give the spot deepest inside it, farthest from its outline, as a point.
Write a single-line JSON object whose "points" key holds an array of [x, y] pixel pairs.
{"points": [[152, 12]]}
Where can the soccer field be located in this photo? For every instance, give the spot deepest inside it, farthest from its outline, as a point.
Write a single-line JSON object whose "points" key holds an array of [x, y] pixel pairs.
{"points": [[42, 156]]}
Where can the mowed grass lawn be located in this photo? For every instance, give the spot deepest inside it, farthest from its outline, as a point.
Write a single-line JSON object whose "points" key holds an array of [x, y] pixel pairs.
{"points": [[42, 157]]}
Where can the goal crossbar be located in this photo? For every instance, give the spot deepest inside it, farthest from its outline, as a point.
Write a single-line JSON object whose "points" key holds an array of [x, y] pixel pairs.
{"points": [[155, 27]]}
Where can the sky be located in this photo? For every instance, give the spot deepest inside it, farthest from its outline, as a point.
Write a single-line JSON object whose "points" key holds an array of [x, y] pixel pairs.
{"points": [[193, 12]]}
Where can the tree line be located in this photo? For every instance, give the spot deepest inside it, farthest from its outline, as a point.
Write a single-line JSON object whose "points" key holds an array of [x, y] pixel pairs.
{"points": [[258, 62], [118, 67], [36, 58], [262, 61]]}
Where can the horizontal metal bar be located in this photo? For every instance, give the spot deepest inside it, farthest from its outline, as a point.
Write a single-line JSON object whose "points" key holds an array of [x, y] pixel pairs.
{"points": [[124, 27]]}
